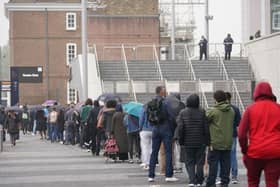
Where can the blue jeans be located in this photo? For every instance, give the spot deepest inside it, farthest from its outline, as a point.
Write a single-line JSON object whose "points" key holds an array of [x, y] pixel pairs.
{"points": [[234, 165], [214, 158], [49, 131], [161, 133], [53, 131]]}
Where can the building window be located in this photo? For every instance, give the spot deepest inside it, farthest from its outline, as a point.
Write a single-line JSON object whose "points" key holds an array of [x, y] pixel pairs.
{"points": [[72, 94], [276, 20], [71, 21], [71, 52]]}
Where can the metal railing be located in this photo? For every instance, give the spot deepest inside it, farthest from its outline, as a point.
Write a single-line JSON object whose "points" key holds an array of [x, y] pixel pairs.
{"points": [[221, 66], [157, 62], [189, 63], [204, 102], [236, 96], [125, 63], [96, 59], [133, 90]]}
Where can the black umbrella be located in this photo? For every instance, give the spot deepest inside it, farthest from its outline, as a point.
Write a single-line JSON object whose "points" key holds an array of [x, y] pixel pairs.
{"points": [[108, 96]]}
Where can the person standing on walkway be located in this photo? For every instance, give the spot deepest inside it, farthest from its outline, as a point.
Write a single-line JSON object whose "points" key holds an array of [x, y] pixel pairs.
{"points": [[60, 126], [193, 134], [13, 126], [228, 41], [203, 44], [41, 121], [85, 134], [259, 137], [145, 138], [161, 120], [25, 119], [53, 124], [92, 125], [119, 133], [220, 119]]}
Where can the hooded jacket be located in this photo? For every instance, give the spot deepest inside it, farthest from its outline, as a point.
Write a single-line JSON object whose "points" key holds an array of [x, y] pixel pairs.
{"points": [[220, 119], [192, 130], [260, 125]]}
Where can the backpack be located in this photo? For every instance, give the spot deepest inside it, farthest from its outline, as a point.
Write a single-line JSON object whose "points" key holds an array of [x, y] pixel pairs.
{"points": [[154, 112], [85, 113], [24, 115]]}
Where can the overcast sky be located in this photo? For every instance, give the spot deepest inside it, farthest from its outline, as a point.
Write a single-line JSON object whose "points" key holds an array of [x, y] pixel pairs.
{"points": [[227, 19]]}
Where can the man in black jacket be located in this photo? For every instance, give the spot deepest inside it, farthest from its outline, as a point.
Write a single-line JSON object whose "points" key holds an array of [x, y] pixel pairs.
{"points": [[92, 124], [193, 133], [203, 48]]}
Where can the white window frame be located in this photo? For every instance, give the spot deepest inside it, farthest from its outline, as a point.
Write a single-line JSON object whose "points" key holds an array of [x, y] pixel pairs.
{"points": [[68, 94], [67, 52], [273, 15], [74, 27]]}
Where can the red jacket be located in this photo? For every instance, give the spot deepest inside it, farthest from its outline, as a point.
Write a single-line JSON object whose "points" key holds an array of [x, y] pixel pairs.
{"points": [[259, 129]]}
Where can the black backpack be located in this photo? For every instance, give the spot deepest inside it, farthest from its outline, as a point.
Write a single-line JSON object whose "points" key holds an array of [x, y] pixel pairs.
{"points": [[155, 114]]}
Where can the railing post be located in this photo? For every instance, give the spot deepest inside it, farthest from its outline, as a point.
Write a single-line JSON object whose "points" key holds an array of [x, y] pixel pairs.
{"points": [[133, 90], [125, 62], [157, 62]]}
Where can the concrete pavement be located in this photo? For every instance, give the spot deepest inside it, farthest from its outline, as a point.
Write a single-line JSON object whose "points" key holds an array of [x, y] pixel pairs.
{"points": [[35, 162]]}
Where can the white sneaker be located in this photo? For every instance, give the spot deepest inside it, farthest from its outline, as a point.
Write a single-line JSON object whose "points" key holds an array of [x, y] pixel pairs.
{"points": [[151, 179], [171, 179], [142, 165], [199, 185], [191, 185], [218, 182], [146, 167]]}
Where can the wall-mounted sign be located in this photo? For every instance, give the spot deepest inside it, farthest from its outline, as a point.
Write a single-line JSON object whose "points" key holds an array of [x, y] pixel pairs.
{"points": [[28, 74]]}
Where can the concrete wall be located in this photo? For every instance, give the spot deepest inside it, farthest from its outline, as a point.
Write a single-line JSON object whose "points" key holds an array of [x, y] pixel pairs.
{"points": [[264, 55], [255, 16]]}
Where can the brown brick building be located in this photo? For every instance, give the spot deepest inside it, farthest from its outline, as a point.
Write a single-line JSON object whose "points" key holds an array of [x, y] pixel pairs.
{"points": [[47, 33]]}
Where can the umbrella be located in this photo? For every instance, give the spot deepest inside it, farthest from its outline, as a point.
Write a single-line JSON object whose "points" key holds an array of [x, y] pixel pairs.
{"points": [[13, 108], [108, 96], [133, 108], [175, 104], [50, 103]]}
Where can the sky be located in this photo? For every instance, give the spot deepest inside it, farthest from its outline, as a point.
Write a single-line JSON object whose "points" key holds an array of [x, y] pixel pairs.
{"points": [[227, 19]]}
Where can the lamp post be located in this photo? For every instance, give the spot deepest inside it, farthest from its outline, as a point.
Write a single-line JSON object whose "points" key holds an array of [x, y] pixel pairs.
{"points": [[207, 19]]}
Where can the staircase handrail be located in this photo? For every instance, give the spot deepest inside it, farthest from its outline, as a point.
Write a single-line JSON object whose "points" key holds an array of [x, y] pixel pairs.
{"points": [[102, 86], [125, 62], [157, 62], [96, 59], [203, 96], [189, 63], [221, 66], [133, 90], [238, 98]]}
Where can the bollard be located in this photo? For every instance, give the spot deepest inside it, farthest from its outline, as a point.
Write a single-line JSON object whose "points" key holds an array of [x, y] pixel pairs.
{"points": [[1, 138]]}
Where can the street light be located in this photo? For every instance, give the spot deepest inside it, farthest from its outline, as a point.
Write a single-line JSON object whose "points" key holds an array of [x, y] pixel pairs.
{"points": [[94, 5], [207, 19]]}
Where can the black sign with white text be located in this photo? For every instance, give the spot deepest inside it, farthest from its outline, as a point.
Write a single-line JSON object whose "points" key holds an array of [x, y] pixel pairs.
{"points": [[29, 74]]}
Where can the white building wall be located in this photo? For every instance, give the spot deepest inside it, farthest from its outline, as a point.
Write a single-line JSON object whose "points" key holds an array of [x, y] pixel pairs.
{"points": [[255, 16], [264, 55]]}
